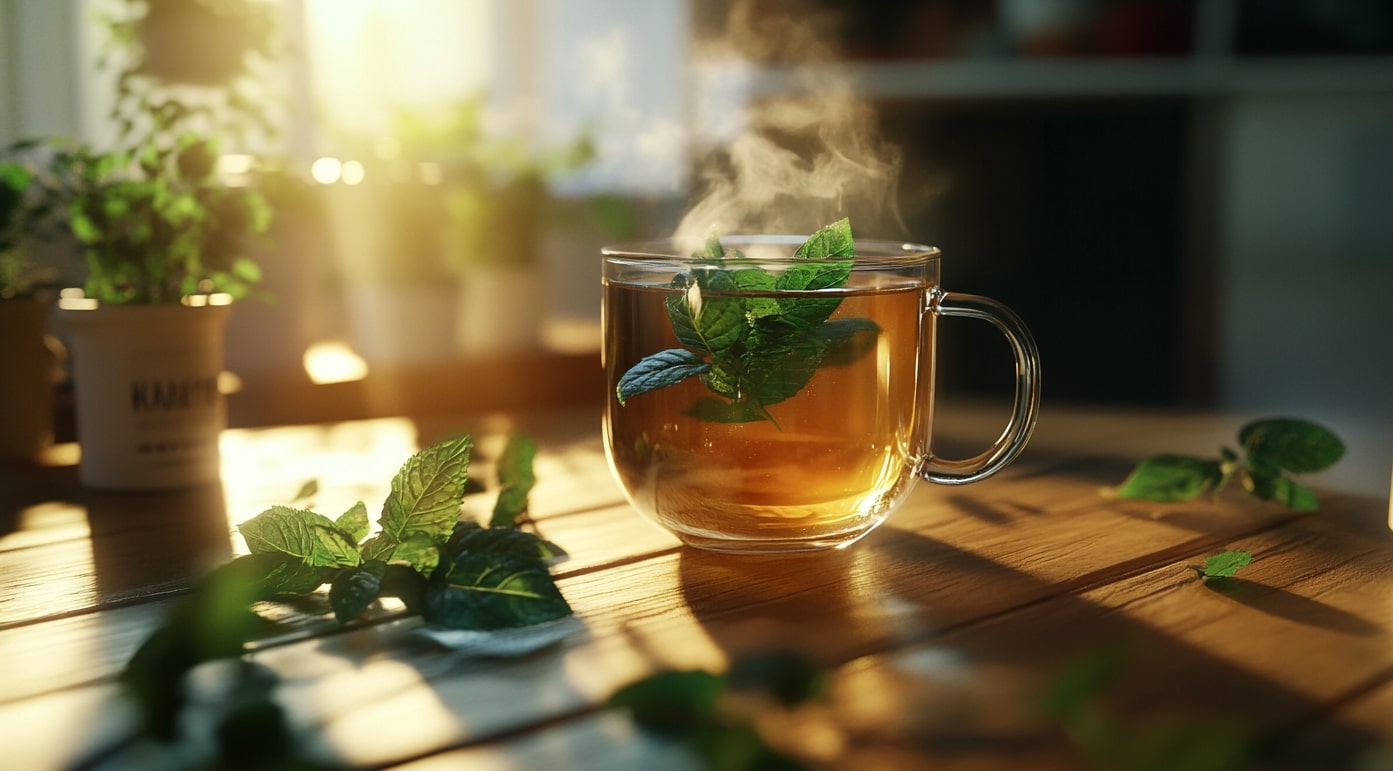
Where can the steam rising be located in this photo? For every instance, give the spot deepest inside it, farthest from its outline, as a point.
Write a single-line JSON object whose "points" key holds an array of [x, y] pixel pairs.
{"points": [[802, 161]]}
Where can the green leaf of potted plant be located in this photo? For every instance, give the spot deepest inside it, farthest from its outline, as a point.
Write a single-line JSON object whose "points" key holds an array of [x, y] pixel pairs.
{"points": [[26, 389]]}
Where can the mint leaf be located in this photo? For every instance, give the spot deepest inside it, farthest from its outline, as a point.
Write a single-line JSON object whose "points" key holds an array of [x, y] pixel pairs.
{"points": [[354, 590], [489, 591], [515, 480], [1171, 478], [420, 551], [354, 522], [1273, 486], [753, 337], [407, 585], [506, 542], [688, 706], [1299, 446], [831, 241], [312, 537], [847, 340], [709, 315], [670, 701], [213, 621], [778, 371], [379, 547], [292, 576], [659, 370], [426, 492], [711, 249], [1225, 565], [789, 677], [717, 410], [307, 491]]}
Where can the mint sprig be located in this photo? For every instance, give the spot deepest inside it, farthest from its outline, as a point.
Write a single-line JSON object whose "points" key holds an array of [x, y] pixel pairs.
{"points": [[1273, 449], [750, 346], [716, 716], [423, 554], [455, 574]]}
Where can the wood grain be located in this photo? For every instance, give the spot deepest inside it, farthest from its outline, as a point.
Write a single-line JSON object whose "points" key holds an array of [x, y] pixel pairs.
{"points": [[940, 631]]}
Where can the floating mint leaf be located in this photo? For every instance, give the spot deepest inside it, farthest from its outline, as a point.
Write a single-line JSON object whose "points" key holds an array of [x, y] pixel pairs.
{"points": [[1171, 478], [354, 522], [354, 590], [488, 591], [1299, 446], [426, 492], [659, 370], [515, 480], [831, 241], [711, 249], [312, 537], [755, 338], [1225, 565], [847, 340], [721, 411]]}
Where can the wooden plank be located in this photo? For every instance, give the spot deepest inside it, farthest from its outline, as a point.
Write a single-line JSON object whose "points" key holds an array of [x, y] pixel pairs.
{"points": [[948, 560], [686, 609], [69, 650], [107, 548], [1306, 624]]}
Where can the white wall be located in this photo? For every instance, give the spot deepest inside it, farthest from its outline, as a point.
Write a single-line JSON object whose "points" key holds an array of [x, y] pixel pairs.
{"points": [[40, 55], [1307, 283]]}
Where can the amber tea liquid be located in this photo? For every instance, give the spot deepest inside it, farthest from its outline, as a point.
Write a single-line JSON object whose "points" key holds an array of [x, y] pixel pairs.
{"points": [[842, 455]]}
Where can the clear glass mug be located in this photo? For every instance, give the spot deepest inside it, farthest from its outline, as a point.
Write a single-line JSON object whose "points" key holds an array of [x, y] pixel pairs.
{"points": [[748, 418]]}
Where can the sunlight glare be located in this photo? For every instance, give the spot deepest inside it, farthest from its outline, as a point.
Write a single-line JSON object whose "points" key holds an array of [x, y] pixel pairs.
{"points": [[376, 54], [353, 172], [326, 171], [333, 361]]}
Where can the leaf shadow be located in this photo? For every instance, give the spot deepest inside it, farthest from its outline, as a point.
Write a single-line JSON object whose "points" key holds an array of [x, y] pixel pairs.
{"points": [[1293, 607]]}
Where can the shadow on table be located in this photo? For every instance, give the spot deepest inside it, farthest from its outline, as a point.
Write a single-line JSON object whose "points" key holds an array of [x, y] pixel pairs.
{"points": [[996, 638], [155, 540]]}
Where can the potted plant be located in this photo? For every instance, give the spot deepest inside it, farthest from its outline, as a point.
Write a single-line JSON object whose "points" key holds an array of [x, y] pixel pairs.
{"points": [[165, 240], [452, 217], [26, 389]]}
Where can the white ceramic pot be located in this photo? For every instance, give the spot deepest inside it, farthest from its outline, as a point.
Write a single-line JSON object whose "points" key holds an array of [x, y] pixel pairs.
{"points": [[26, 380], [149, 412]]}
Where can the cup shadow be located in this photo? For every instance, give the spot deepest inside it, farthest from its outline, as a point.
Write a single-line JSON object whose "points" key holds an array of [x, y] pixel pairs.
{"points": [[900, 595]]}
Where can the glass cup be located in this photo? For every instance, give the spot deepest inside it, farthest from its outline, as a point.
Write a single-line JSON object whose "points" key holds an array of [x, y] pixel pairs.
{"points": [[747, 416]]}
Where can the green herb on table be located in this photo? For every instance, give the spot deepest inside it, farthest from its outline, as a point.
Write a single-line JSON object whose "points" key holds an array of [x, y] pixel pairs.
{"points": [[1272, 450], [1224, 565], [751, 346], [1075, 701], [455, 574], [715, 716]]}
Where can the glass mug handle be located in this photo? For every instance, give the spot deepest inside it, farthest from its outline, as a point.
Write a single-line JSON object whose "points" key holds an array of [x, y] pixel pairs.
{"points": [[1027, 401]]}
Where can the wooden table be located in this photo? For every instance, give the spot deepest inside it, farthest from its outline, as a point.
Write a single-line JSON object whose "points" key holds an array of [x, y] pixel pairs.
{"points": [[939, 633]]}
